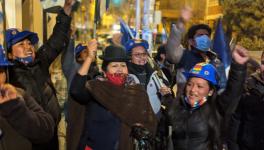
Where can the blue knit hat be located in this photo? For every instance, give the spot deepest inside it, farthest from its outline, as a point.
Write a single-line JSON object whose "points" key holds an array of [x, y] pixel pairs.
{"points": [[205, 71], [13, 36]]}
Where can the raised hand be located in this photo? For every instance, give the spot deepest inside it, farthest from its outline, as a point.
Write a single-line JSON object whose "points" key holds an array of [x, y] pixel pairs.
{"points": [[240, 54], [165, 90], [68, 6], [186, 13], [7, 93], [92, 48]]}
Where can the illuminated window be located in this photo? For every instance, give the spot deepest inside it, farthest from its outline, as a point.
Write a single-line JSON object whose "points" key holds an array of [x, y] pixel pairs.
{"points": [[213, 2]]}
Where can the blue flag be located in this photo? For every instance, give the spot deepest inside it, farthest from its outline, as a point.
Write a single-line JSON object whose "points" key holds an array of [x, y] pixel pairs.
{"points": [[126, 31], [221, 46]]}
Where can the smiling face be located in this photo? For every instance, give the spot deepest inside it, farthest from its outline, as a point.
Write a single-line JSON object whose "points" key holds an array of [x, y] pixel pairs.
{"points": [[139, 56], [197, 89], [23, 49]]}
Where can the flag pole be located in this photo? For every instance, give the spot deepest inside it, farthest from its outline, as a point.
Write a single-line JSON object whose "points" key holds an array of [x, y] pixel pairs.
{"points": [[4, 23], [137, 18], [4, 36], [95, 18]]}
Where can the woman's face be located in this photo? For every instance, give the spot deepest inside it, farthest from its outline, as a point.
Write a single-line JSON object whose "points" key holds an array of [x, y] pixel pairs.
{"points": [[117, 67], [139, 56], [197, 89], [23, 49]]}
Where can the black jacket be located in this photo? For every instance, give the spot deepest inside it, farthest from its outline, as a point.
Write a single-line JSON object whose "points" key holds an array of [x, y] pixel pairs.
{"points": [[34, 78], [247, 123], [23, 123], [199, 129]]}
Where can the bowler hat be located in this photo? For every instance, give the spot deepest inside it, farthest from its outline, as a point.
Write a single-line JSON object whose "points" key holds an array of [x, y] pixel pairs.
{"points": [[13, 36], [114, 53]]}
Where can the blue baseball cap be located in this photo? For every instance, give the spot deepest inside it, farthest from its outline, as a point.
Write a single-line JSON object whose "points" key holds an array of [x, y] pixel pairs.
{"points": [[13, 36], [134, 43], [205, 71], [79, 48], [3, 60]]}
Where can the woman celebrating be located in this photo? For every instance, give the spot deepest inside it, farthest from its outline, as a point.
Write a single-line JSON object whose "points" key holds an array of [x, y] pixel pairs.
{"points": [[196, 114], [112, 105]]}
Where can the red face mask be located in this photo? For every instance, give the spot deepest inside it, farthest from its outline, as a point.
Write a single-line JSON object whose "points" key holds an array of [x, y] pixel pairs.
{"points": [[117, 78]]}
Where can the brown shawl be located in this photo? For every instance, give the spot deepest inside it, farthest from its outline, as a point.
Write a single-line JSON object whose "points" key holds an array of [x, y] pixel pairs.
{"points": [[129, 103]]}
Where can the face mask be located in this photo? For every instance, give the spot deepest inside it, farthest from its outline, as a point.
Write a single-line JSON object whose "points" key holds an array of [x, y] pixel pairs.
{"points": [[25, 60], [203, 43], [117, 78], [197, 103]]}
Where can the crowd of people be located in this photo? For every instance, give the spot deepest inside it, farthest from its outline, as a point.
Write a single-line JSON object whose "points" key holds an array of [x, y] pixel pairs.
{"points": [[127, 103]]}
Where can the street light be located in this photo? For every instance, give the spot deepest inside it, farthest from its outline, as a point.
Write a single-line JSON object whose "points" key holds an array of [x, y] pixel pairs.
{"points": [[116, 2]]}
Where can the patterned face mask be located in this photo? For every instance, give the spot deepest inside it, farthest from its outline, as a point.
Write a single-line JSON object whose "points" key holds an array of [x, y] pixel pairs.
{"points": [[118, 79], [197, 103]]}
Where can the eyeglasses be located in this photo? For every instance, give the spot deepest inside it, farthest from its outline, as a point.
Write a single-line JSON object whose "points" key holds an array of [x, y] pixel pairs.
{"points": [[138, 55]]}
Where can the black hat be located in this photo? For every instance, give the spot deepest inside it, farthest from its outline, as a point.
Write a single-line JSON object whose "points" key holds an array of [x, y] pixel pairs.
{"points": [[114, 53], [192, 30]]}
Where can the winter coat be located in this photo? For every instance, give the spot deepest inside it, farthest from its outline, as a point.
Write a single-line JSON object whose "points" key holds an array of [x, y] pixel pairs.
{"points": [[199, 129], [111, 111], [152, 85], [24, 124], [34, 78], [246, 130]]}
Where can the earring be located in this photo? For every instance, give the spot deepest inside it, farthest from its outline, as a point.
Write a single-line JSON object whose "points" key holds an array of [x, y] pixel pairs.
{"points": [[210, 93]]}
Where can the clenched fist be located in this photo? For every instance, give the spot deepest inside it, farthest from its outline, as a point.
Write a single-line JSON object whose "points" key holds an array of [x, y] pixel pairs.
{"points": [[7, 93], [240, 54]]}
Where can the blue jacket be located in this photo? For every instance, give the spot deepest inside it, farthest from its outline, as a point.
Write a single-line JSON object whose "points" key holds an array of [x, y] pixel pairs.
{"points": [[101, 128]]}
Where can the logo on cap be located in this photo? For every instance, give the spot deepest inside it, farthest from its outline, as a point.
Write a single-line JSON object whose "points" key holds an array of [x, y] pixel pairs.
{"points": [[206, 73], [131, 44], [14, 32]]}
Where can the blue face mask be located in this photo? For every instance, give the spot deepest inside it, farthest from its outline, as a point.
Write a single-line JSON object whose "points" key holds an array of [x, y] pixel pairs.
{"points": [[25, 60], [203, 43]]}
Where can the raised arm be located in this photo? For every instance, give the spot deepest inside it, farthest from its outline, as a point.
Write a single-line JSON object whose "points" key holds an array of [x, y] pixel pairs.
{"points": [[78, 90], [59, 38], [174, 48], [68, 63], [236, 79]]}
